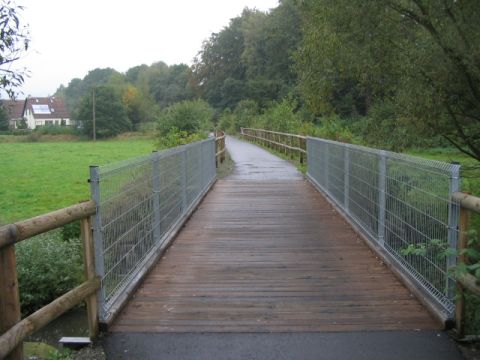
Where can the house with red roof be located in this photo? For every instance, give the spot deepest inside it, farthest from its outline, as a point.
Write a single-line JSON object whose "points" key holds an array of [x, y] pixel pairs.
{"points": [[45, 111], [14, 110]]}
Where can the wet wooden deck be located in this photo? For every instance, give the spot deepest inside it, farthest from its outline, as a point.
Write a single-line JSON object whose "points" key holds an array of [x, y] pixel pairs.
{"points": [[266, 256]]}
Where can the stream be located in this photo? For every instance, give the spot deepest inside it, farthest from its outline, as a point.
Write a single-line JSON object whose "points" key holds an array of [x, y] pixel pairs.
{"points": [[72, 323]]}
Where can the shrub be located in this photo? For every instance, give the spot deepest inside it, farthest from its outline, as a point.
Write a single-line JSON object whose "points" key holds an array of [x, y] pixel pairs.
{"points": [[70, 231], [56, 130], [47, 267], [333, 129], [177, 137], [280, 117], [188, 116]]}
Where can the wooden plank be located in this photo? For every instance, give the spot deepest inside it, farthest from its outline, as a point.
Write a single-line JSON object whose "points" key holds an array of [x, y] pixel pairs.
{"points": [[270, 256], [10, 234], [467, 201], [9, 298]]}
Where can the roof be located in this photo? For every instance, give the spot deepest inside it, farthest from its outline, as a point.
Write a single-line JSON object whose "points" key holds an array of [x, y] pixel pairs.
{"points": [[14, 108], [47, 107]]}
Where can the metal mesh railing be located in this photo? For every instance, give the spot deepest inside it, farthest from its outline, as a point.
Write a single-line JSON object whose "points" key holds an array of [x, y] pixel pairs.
{"points": [[396, 200], [140, 202]]}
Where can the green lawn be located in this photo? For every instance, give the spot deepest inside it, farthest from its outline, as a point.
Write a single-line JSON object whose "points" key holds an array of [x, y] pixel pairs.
{"points": [[43, 176]]}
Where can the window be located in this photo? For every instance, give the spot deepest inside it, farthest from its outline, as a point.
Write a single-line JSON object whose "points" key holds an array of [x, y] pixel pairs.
{"points": [[41, 109], [48, 122]]}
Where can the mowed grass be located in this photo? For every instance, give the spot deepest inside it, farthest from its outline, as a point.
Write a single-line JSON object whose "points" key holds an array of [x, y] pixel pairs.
{"points": [[39, 177]]}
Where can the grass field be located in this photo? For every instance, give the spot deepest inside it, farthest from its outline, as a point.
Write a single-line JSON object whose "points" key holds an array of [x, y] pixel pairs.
{"points": [[39, 177], [470, 168]]}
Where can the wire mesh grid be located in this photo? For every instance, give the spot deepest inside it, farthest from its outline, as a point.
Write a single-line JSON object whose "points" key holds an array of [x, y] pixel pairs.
{"points": [[397, 201], [139, 202]]}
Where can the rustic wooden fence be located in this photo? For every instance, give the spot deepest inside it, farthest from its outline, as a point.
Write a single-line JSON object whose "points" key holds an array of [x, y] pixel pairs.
{"points": [[219, 147], [290, 144], [13, 330], [468, 204]]}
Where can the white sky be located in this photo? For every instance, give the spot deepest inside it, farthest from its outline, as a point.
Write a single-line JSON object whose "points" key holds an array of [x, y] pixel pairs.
{"points": [[69, 38]]}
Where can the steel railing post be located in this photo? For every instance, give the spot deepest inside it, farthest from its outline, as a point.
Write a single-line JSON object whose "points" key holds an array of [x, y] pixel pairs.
{"points": [[452, 236], [156, 197], [382, 185], [346, 177], [184, 181], [98, 240]]}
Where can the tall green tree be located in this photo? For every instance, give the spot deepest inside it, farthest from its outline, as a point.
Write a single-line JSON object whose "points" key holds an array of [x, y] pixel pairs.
{"points": [[251, 58], [110, 113], [218, 72], [79, 88], [170, 84], [415, 54]]}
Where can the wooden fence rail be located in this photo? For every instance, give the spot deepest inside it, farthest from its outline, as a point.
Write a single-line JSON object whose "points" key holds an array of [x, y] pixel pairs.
{"points": [[13, 330], [219, 147], [290, 144], [468, 204]]}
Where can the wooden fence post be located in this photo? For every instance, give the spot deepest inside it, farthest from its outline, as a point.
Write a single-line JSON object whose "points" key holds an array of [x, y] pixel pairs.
{"points": [[462, 243], [89, 261], [9, 296]]}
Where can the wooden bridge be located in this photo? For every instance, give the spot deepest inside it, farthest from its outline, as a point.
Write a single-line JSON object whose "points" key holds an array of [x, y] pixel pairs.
{"points": [[264, 251]]}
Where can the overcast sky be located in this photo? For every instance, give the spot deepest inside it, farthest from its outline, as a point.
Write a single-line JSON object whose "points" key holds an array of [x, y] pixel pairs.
{"points": [[69, 38]]}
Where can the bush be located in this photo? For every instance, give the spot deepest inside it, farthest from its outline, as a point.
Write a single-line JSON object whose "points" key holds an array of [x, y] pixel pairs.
{"points": [[70, 231], [177, 137], [280, 117], [333, 129], [47, 268], [56, 130], [188, 116], [243, 115]]}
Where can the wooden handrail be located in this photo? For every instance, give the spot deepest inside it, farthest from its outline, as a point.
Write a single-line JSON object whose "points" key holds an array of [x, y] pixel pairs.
{"points": [[219, 147], [468, 203], [21, 230], [13, 337], [13, 330], [290, 144], [277, 132]]}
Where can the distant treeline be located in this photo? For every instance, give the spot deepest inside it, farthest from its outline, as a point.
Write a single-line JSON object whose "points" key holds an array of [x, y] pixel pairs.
{"points": [[388, 73]]}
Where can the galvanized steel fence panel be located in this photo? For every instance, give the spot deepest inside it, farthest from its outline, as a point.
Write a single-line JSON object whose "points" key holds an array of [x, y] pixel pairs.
{"points": [[140, 202], [396, 200]]}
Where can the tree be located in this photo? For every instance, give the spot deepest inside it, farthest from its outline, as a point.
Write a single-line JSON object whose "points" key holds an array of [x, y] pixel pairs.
{"points": [[135, 104], [4, 125], [218, 62], [251, 58], [170, 84], [14, 40], [79, 88], [110, 113], [415, 54]]}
